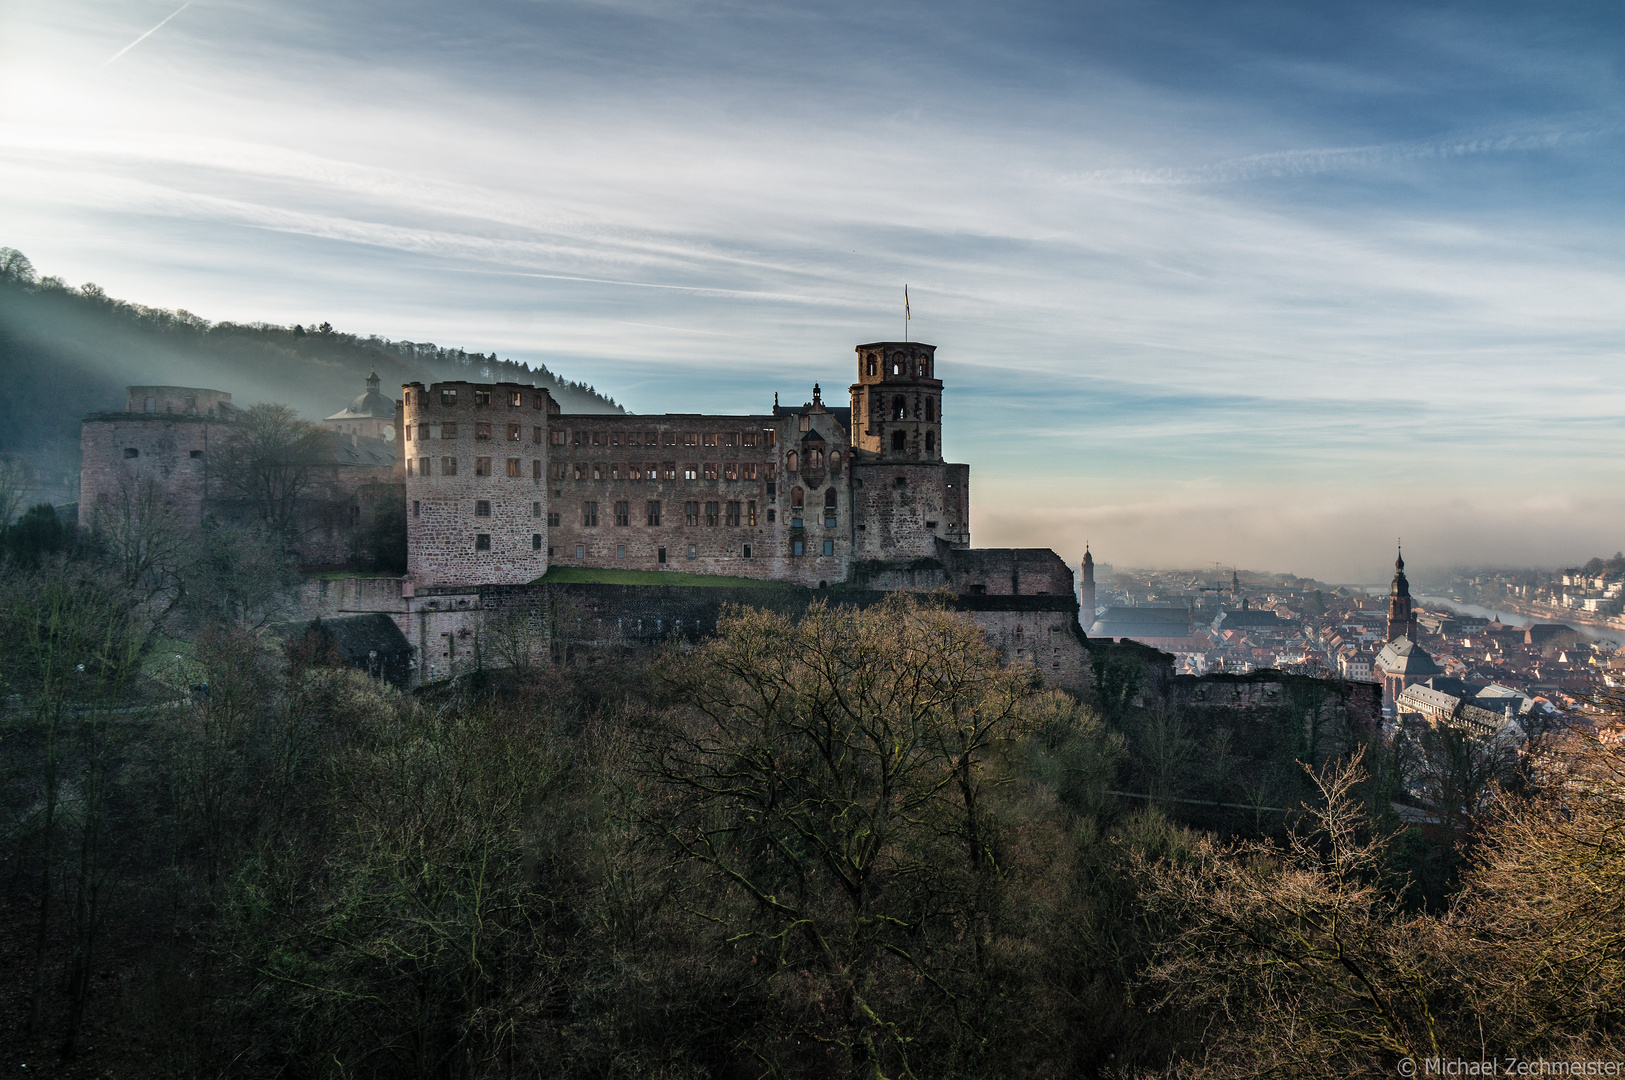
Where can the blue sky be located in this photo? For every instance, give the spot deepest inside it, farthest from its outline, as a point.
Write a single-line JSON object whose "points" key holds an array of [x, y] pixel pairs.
{"points": [[1260, 284]]}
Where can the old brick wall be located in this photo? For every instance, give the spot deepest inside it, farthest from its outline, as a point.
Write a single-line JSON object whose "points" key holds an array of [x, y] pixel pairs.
{"points": [[119, 450], [1009, 571], [902, 510], [463, 430]]}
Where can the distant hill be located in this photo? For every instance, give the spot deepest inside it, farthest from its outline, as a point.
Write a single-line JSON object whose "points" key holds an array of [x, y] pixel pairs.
{"points": [[65, 352]]}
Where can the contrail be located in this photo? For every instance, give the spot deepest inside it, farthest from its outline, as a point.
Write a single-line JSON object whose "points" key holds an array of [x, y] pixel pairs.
{"points": [[145, 36]]}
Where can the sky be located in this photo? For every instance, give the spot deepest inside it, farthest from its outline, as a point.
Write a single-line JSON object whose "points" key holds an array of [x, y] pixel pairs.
{"points": [[1264, 285]]}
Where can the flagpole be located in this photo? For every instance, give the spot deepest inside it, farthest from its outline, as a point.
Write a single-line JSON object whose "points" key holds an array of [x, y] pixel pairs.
{"points": [[905, 313]]}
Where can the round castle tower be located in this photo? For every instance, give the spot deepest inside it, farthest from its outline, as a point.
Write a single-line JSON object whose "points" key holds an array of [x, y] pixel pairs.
{"points": [[476, 498], [897, 402]]}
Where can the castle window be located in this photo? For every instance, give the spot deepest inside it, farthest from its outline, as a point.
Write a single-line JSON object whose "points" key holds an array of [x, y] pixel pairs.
{"points": [[196, 454], [730, 438], [691, 438], [769, 471], [535, 541], [870, 365], [482, 429], [693, 551], [730, 470], [792, 462], [581, 551], [660, 556], [597, 471], [668, 438], [829, 547], [649, 438], [589, 514], [772, 516], [536, 509], [417, 508], [806, 422], [691, 471], [598, 438], [615, 470], [835, 462], [482, 399], [131, 452], [815, 459], [556, 437], [634, 438], [448, 399], [925, 367], [691, 513], [554, 519], [536, 470], [448, 431], [482, 542], [748, 439], [750, 512], [733, 514], [668, 470], [615, 438], [536, 401], [899, 440], [408, 466], [899, 481], [797, 498], [651, 470], [771, 438], [829, 508], [516, 399], [448, 466], [482, 508], [559, 469], [747, 470], [798, 547], [423, 432], [513, 467], [408, 432], [653, 515], [623, 513], [710, 439], [423, 466], [747, 551], [930, 409], [899, 409], [482, 466], [711, 509], [710, 470], [516, 433], [930, 442]]}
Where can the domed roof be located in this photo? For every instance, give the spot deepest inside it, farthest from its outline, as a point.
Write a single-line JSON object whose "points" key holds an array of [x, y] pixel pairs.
{"points": [[371, 404]]}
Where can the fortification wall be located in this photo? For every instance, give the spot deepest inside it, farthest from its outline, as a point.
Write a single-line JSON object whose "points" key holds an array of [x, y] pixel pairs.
{"points": [[902, 509], [121, 450]]}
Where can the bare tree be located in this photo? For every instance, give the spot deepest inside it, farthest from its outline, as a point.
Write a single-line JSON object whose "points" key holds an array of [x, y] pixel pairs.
{"points": [[14, 487], [145, 539], [269, 461]]}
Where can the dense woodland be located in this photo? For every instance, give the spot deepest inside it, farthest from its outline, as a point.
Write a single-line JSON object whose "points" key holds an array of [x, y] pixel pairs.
{"points": [[853, 844], [69, 351]]}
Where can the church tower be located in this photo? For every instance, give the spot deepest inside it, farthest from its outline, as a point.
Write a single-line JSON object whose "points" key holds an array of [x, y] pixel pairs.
{"points": [[1086, 592], [1401, 619]]}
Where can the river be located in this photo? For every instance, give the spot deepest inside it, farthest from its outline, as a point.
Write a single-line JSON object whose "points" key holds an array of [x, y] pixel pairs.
{"points": [[1514, 619]]}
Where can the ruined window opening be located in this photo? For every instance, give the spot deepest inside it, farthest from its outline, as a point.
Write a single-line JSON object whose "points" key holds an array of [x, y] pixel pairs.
{"points": [[536, 401], [710, 439], [730, 470], [536, 470], [806, 422], [615, 438], [660, 555], [556, 437], [730, 438], [623, 513], [899, 409], [516, 399], [747, 470], [589, 514], [482, 466], [408, 466], [417, 508], [482, 398], [516, 433], [535, 541], [482, 508], [899, 440], [407, 431], [597, 471], [797, 498], [197, 454], [691, 438], [750, 513], [423, 432], [668, 438], [668, 470], [815, 460], [634, 438], [559, 470], [930, 442], [448, 431], [792, 462], [871, 365], [653, 516], [747, 551], [513, 467], [772, 516], [900, 481], [711, 514], [835, 462], [691, 513], [448, 399], [536, 509], [448, 466], [732, 518], [691, 471], [599, 438], [482, 541], [554, 519], [615, 470], [423, 466], [930, 409], [649, 438], [710, 470], [748, 439]]}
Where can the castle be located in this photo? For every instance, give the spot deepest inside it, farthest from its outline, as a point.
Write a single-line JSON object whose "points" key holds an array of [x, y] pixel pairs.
{"points": [[501, 486]]}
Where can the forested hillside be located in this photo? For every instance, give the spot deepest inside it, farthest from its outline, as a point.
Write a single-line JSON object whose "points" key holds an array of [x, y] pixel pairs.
{"points": [[67, 351]]}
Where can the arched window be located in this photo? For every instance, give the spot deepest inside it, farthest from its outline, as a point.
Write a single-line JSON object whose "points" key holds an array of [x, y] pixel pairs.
{"points": [[897, 364], [899, 440], [790, 462], [930, 409], [930, 442], [798, 498], [871, 364], [835, 462], [829, 499], [899, 408], [925, 368], [815, 459]]}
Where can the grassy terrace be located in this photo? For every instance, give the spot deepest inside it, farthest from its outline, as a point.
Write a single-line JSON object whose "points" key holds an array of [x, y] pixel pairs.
{"points": [[579, 575]]}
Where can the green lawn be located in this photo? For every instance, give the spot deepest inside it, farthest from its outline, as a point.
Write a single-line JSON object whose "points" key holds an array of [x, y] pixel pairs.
{"points": [[577, 575]]}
